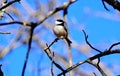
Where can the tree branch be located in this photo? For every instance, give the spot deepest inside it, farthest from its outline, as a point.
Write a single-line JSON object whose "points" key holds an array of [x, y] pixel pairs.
{"points": [[113, 46], [105, 5], [91, 58], [86, 39], [51, 44], [50, 56], [10, 3], [15, 22], [33, 25], [98, 67], [64, 6], [114, 3]]}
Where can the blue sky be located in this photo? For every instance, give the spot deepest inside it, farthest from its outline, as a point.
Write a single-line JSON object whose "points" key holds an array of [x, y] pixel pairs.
{"points": [[102, 27]]}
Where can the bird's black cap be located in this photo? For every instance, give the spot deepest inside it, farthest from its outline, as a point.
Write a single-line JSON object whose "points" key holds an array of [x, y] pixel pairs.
{"points": [[60, 20]]}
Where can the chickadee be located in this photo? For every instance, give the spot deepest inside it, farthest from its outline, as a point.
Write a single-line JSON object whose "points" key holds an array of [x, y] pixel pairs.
{"points": [[60, 31]]}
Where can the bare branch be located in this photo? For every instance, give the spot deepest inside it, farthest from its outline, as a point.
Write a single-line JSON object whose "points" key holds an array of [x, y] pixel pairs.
{"points": [[5, 33], [98, 62], [97, 66], [64, 6], [94, 74], [113, 46], [10, 3], [1, 72], [29, 47], [105, 53], [52, 64], [105, 5], [86, 39], [72, 67], [114, 3], [91, 58], [49, 55], [10, 16], [51, 44], [15, 22]]}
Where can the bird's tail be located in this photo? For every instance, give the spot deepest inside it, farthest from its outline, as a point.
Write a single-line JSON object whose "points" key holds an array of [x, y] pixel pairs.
{"points": [[68, 41]]}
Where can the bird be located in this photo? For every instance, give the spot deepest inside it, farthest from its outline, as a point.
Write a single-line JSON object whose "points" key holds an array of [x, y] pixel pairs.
{"points": [[60, 31]]}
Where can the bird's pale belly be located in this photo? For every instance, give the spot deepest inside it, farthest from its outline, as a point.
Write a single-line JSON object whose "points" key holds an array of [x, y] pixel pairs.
{"points": [[60, 31]]}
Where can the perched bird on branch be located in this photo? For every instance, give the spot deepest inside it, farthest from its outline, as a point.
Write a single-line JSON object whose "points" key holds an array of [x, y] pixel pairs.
{"points": [[60, 31]]}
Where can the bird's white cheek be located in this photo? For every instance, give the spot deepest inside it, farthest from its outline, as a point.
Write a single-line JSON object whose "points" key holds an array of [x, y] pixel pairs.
{"points": [[57, 23]]}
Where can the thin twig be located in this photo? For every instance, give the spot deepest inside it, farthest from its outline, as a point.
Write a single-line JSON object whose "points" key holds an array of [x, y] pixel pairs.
{"points": [[15, 22], [5, 33], [52, 64], [94, 74], [49, 55], [97, 66], [105, 5], [1, 72], [86, 39], [114, 3], [51, 44], [9, 15], [29, 48], [72, 67], [10, 3], [113, 46], [98, 62]]}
